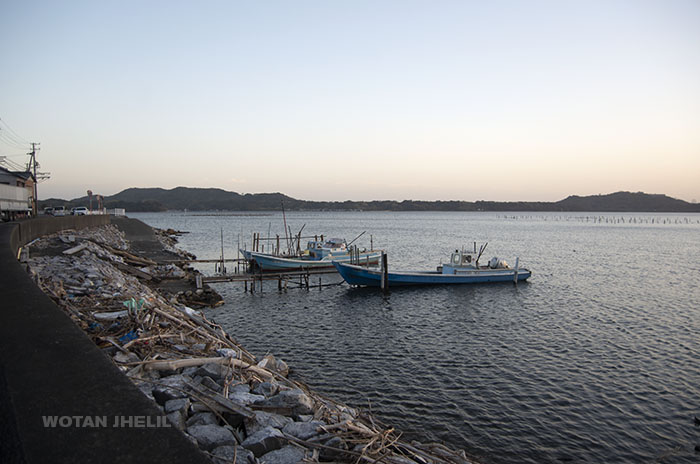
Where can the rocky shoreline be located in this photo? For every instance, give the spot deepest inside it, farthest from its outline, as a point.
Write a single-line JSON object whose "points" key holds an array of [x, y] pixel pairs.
{"points": [[137, 304]]}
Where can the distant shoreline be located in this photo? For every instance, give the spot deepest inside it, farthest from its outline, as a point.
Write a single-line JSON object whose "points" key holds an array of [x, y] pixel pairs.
{"points": [[202, 200]]}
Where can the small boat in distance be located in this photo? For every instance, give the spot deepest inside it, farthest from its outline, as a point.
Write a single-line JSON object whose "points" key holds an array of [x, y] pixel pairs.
{"points": [[463, 268]]}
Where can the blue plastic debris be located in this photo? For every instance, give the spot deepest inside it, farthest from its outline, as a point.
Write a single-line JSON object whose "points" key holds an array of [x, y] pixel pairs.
{"points": [[95, 326], [127, 337]]}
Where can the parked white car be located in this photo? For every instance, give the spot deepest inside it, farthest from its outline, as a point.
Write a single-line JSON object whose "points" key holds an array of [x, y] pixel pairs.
{"points": [[59, 211], [79, 211]]}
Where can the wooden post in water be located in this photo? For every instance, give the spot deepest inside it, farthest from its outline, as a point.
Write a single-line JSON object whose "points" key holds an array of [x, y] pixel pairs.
{"points": [[385, 273], [515, 275], [319, 284]]}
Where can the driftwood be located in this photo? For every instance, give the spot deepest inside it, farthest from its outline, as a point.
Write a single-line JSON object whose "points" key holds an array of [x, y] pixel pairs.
{"points": [[131, 257], [75, 249], [181, 363], [110, 316], [225, 402]]}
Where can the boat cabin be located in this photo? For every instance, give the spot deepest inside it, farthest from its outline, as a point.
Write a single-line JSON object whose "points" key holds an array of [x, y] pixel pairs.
{"points": [[466, 261], [322, 248], [460, 261]]}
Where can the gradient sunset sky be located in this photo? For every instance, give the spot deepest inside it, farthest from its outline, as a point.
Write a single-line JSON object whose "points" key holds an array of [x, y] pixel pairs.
{"points": [[361, 100]]}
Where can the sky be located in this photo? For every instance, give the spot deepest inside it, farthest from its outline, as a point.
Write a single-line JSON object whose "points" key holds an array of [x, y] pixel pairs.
{"points": [[356, 100]]}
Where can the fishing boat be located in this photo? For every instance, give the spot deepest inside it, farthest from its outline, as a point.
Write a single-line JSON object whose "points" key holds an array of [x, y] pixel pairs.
{"points": [[463, 268], [268, 262], [318, 254]]}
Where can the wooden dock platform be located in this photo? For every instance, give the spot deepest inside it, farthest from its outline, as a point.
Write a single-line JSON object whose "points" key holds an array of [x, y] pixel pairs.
{"points": [[285, 279]]}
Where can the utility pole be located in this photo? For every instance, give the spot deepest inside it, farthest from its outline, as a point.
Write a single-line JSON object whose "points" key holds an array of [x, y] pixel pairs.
{"points": [[35, 204]]}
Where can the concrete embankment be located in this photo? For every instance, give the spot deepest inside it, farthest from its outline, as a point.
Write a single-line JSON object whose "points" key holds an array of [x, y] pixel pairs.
{"points": [[50, 369]]}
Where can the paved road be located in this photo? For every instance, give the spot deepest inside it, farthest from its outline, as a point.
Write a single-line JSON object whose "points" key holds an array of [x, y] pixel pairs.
{"points": [[143, 240]]}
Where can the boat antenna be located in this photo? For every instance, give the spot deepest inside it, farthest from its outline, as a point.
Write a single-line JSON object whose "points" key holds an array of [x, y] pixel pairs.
{"points": [[353, 240]]}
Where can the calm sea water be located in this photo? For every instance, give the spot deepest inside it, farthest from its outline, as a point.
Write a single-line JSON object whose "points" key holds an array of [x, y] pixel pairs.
{"points": [[595, 359]]}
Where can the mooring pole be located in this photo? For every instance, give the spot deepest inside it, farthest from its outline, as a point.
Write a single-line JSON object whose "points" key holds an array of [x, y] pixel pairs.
{"points": [[385, 273], [515, 274]]}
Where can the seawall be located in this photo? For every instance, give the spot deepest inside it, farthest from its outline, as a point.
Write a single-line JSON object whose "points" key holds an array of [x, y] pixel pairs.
{"points": [[50, 368]]}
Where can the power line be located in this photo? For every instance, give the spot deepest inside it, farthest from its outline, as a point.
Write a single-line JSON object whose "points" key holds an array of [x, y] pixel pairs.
{"points": [[4, 138], [12, 165], [12, 137], [9, 136], [12, 155], [22, 139]]}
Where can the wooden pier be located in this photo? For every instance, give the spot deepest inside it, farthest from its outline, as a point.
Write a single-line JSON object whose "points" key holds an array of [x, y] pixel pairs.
{"points": [[304, 278]]}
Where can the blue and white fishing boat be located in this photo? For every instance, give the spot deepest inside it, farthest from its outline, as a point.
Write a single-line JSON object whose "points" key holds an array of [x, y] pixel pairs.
{"points": [[318, 254], [277, 263], [463, 268]]}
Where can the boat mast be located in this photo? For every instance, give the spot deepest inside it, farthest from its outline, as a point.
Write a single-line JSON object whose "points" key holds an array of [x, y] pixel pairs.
{"points": [[286, 237]]}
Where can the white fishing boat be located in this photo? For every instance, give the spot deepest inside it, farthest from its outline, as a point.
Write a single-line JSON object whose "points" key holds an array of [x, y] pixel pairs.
{"points": [[318, 254]]}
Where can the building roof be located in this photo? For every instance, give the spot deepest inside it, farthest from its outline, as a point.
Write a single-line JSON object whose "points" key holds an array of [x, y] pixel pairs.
{"points": [[24, 175]]}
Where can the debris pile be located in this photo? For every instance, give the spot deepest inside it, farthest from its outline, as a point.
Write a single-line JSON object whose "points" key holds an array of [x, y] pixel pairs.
{"points": [[234, 408], [168, 238]]}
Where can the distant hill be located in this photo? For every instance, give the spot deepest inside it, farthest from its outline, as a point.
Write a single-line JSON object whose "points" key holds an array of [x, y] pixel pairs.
{"points": [[212, 199]]}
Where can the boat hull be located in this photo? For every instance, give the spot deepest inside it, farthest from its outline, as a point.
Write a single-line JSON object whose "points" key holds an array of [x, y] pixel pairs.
{"points": [[357, 275], [278, 263]]}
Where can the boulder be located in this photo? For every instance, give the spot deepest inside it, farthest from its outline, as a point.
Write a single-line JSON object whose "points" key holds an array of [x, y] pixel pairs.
{"points": [[263, 441], [241, 394], [179, 404], [276, 365], [303, 430], [266, 389], [244, 398], [285, 455], [163, 391], [240, 388], [211, 436], [226, 455], [264, 419], [177, 419], [202, 418], [295, 400], [212, 370], [334, 454], [146, 389]]}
